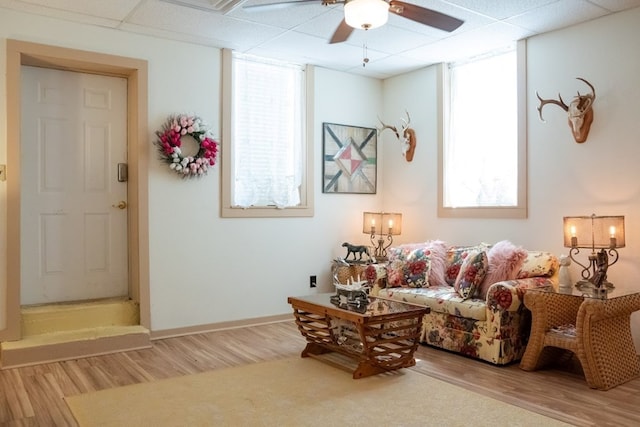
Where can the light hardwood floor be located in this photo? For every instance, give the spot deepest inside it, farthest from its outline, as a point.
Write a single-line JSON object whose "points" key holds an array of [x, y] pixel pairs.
{"points": [[33, 396]]}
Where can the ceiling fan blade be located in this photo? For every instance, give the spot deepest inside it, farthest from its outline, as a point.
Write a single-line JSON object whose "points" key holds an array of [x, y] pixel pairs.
{"points": [[342, 33], [424, 16], [277, 5]]}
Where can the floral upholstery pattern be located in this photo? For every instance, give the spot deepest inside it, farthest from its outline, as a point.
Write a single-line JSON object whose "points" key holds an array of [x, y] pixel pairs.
{"points": [[375, 272], [494, 329], [455, 257], [472, 274], [500, 342], [440, 299], [409, 266], [539, 264]]}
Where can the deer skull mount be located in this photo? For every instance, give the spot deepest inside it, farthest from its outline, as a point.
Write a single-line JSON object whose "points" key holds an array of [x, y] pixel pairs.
{"points": [[580, 111], [408, 138]]}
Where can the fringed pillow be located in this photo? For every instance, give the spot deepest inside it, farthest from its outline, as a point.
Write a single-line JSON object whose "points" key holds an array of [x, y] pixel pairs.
{"points": [[438, 258]]}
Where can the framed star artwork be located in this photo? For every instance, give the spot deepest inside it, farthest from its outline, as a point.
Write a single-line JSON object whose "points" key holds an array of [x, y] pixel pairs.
{"points": [[349, 159]]}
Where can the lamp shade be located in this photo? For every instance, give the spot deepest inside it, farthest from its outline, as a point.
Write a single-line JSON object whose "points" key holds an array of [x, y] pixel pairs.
{"points": [[595, 232], [382, 223], [366, 14]]}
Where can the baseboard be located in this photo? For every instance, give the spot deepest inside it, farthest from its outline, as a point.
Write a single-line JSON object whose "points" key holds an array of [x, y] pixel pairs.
{"points": [[211, 327]]}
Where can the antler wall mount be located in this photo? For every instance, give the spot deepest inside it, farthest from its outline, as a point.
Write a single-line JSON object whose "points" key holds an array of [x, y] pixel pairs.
{"points": [[408, 138], [580, 111]]}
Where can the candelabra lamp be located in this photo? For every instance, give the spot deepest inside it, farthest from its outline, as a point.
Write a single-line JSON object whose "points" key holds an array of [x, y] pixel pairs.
{"points": [[381, 227], [603, 235]]}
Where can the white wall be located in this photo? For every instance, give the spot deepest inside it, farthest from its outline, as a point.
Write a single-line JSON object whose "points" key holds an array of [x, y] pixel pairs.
{"points": [[205, 269], [564, 178], [243, 268]]}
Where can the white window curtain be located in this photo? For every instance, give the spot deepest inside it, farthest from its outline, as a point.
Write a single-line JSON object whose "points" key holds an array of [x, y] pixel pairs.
{"points": [[268, 132], [481, 148]]}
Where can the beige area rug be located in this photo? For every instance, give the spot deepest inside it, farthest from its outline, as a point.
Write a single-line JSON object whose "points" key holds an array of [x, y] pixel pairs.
{"points": [[296, 392]]}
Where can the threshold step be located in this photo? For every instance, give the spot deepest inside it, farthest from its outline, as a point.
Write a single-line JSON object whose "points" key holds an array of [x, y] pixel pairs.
{"points": [[66, 345], [53, 318]]}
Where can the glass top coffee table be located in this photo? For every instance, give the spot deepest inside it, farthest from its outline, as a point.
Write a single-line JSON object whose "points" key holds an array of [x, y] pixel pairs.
{"points": [[382, 335]]}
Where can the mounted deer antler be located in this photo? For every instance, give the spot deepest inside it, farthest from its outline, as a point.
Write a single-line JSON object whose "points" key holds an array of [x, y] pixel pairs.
{"points": [[393, 128], [580, 111], [408, 136]]}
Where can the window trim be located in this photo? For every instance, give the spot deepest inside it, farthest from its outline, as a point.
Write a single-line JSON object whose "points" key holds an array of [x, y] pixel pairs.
{"points": [[306, 208], [521, 209]]}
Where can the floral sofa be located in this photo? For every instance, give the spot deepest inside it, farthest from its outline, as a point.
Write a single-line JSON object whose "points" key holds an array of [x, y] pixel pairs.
{"points": [[475, 293]]}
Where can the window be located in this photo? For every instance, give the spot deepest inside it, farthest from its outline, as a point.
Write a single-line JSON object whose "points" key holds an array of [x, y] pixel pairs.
{"points": [[266, 162], [483, 163]]}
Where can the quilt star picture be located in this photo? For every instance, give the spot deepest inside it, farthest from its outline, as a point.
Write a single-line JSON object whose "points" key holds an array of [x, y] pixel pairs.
{"points": [[349, 159]]}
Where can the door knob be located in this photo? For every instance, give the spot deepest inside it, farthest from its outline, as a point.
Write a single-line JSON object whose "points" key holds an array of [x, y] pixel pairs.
{"points": [[121, 205]]}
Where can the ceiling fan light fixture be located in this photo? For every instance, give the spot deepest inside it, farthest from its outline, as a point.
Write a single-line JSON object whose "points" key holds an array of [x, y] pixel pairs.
{"points": [[366, 14]]}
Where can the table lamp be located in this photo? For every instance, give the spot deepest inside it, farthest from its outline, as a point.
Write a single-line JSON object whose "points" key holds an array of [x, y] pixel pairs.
{"points": [[378, 225], [605, 233]]}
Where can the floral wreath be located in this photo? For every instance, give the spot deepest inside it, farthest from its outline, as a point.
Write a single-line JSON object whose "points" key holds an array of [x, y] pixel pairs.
{"points": [[169, 144]]}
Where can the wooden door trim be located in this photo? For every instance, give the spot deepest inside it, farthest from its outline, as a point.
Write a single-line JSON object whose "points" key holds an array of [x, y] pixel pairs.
{"points": [[135, 71]]}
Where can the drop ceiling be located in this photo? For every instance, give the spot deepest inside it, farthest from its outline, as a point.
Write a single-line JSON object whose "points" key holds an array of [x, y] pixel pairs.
{"points": [[300, 33]]}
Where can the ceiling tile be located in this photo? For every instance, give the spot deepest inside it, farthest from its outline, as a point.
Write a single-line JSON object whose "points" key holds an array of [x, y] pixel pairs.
{"points": [[388, 66], [228, 32], [617, 5], [558, 15], [471, 19], [317, 51], [389, 39], [282, 17], [495, 36], [112, 9], [322, 25], [501, 9]]}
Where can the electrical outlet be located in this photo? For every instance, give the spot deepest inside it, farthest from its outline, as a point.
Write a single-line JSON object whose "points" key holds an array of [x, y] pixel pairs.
{"points": [[312, 281]]}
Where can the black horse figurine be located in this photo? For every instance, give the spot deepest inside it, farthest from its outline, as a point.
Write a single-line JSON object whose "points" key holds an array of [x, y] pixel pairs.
{"points": [[355, 249]]}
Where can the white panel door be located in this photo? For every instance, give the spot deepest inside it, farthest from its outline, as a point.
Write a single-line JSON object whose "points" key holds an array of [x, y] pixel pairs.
{"points": [[73, 234]]}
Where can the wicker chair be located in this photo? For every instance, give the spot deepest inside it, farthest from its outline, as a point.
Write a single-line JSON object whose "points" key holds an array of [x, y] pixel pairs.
{"points": [[602, 341]]}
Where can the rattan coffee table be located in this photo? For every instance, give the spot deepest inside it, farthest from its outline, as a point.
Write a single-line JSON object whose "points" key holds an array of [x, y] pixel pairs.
{"points": [[381, 336]]}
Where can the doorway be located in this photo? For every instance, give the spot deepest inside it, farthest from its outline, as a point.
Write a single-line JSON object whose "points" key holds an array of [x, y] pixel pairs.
{"points": [[73, 186], [134, 71]]}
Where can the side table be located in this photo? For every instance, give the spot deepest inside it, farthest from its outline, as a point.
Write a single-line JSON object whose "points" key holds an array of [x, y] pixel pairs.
{"points": [[342, 270], [599, 335]]}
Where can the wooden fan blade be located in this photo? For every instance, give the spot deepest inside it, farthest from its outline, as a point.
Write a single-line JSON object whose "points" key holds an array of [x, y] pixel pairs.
{"points": [[342, 33], [424, 16], [277, 5]]}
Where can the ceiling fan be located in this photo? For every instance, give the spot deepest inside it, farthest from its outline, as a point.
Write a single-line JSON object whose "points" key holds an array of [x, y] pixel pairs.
{"points": [[368, 14]]}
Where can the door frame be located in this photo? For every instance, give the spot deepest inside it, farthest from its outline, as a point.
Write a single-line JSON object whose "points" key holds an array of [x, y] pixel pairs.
{"points": [[135, 71]]}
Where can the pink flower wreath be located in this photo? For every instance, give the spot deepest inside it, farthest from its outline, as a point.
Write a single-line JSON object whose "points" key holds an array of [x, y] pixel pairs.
{"points": [[169, 145]]}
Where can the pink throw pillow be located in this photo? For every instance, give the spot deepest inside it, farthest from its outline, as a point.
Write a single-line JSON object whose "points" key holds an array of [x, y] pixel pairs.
{"points": [[438, 262], [505, 260]]}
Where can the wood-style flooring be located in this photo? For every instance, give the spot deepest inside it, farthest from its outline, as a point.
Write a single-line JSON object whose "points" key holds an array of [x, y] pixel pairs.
{"points": [[33, 396]]}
